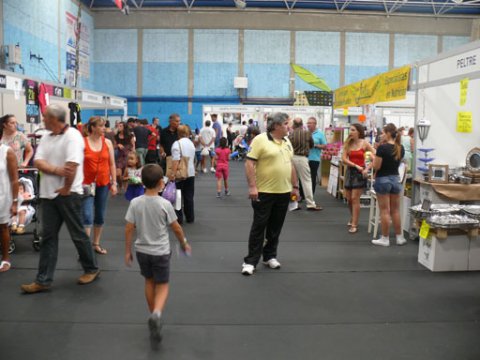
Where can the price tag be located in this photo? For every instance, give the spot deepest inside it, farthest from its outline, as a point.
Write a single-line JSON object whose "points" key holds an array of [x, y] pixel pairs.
{"points": [[424, 230]]}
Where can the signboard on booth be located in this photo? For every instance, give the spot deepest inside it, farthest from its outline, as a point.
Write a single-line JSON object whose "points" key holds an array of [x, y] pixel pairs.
{"points": [[3, 81], [388, 86], [31, 96]]}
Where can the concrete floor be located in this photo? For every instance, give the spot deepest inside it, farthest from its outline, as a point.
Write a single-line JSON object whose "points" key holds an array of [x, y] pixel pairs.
{"points": [[336, 296]]}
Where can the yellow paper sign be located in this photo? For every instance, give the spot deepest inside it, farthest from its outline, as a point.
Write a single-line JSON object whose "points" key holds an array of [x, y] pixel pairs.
{"points": [[463, 91], [464, 122], [424, 230], [345, 112]]}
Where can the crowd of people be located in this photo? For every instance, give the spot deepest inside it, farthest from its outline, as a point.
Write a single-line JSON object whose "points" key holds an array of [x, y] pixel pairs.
{"points": [[80, 169]]}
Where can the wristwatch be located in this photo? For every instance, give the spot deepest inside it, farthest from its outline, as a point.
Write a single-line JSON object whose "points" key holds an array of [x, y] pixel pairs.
{"points": [[295, 187]]}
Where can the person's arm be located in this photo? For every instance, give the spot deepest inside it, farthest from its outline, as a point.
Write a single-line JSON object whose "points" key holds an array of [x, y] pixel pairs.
{"points": [[113, 169], [132, 142], [176, 157], [178, 231], [28, 154], [13, 175], [125, 174], [71, 169], [294, 179], [310, 141], [251, 179], [129, 231], [377, 162]]}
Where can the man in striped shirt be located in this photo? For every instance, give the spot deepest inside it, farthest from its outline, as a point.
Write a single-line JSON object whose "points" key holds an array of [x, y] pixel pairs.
{"points": [[302, 142]]}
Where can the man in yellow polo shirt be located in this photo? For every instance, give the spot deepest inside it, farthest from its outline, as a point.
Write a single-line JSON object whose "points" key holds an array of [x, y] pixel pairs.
{"points": [[270, 176]]}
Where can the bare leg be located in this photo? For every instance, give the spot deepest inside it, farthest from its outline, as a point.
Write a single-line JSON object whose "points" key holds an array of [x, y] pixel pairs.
{"points": [[348, 197], [21, 217], [88, 230], [119, 179], [355, 206], [5, 234], [203, 162], [225, 183], [219, 185], [97, 233], [384, 205], [395, 213], [161, 295], [150, 293]]}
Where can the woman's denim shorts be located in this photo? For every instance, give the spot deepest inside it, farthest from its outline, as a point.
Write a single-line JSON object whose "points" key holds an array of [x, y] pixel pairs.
{"points": [[387, 185]]}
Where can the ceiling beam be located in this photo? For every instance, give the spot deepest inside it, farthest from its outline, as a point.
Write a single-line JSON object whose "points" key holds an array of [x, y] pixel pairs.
{"points": [[134, 2], [91, 3], [345, 4]]}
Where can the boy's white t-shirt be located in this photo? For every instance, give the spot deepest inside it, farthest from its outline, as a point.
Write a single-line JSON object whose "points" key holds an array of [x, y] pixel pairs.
{"points": [[58, 150], [151, 215]]}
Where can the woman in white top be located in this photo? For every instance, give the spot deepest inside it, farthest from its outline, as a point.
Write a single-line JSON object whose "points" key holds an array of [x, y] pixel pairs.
{"points": [[8, 194], [184, 147]]}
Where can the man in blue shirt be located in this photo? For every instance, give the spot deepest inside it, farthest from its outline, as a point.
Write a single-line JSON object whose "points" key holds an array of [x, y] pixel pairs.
{"points": [[218, 129], [315, 154]]}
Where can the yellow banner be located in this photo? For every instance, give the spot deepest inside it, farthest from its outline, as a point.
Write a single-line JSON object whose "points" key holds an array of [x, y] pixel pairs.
{"points": [[463, 91], [388, 86]]}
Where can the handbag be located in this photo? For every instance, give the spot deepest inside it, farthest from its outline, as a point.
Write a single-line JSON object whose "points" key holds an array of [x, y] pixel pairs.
{"points": [[182, 168], [170, 192]]}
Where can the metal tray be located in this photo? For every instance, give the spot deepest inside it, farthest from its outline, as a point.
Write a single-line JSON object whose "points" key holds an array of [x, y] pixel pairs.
{"points": [[435, 209], [471, 210], [453, 222]]}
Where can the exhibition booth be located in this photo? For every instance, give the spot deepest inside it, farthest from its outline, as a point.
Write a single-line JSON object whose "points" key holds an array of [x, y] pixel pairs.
{"points": [[447, 160], [25, 97], [236, 114]]}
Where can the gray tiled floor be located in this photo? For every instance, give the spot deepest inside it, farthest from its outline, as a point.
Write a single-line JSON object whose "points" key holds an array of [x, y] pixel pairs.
{"points": [[336, 297]]}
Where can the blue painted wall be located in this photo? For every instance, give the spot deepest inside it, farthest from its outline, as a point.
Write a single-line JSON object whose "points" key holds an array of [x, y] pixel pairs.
{"points": [[411, 48], [216, 62], [267, 63], [366, 54], [116, 61], [318, 52], [35, 26], [452, 42]]}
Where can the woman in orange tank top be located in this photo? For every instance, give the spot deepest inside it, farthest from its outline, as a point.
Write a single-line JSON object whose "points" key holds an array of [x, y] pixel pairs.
{"points": [[355, 178], [99, 178]]}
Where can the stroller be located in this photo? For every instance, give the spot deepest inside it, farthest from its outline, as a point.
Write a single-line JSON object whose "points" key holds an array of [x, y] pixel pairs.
{"points": [[29, 178], [241, 148]]}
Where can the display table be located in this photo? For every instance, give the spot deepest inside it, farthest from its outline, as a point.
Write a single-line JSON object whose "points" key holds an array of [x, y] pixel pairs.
{"points": [[454, 192]]}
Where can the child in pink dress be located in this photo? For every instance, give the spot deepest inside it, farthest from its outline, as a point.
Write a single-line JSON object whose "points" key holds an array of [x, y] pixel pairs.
{"points": [[222, 155]]}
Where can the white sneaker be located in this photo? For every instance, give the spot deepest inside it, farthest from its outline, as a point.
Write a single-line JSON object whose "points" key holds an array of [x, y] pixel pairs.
{"points": [[212, 169], [381, 242], [204, 171], [272, 264], [247, 269], [401, 241]]}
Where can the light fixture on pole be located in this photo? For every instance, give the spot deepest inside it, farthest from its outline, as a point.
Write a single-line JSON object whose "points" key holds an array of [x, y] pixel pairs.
{"points": [[423, 126]]}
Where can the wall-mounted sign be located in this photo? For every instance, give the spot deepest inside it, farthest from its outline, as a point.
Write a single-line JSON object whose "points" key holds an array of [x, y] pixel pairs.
{"points": [[117, 102], [456, 65], [3, 81], [31, 96], [92, 98]]}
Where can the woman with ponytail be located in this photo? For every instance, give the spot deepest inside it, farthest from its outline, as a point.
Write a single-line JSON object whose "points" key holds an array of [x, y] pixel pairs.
{"points": [[387, 183], [353, 157]]}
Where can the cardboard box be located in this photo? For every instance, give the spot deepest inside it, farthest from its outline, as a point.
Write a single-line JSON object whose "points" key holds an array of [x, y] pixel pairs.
{"points": [[450, 254], [474, 254]]}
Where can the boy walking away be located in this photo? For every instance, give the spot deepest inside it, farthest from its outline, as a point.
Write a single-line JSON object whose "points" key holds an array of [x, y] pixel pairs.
{"points": [[222, 154], [150, 215]]}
